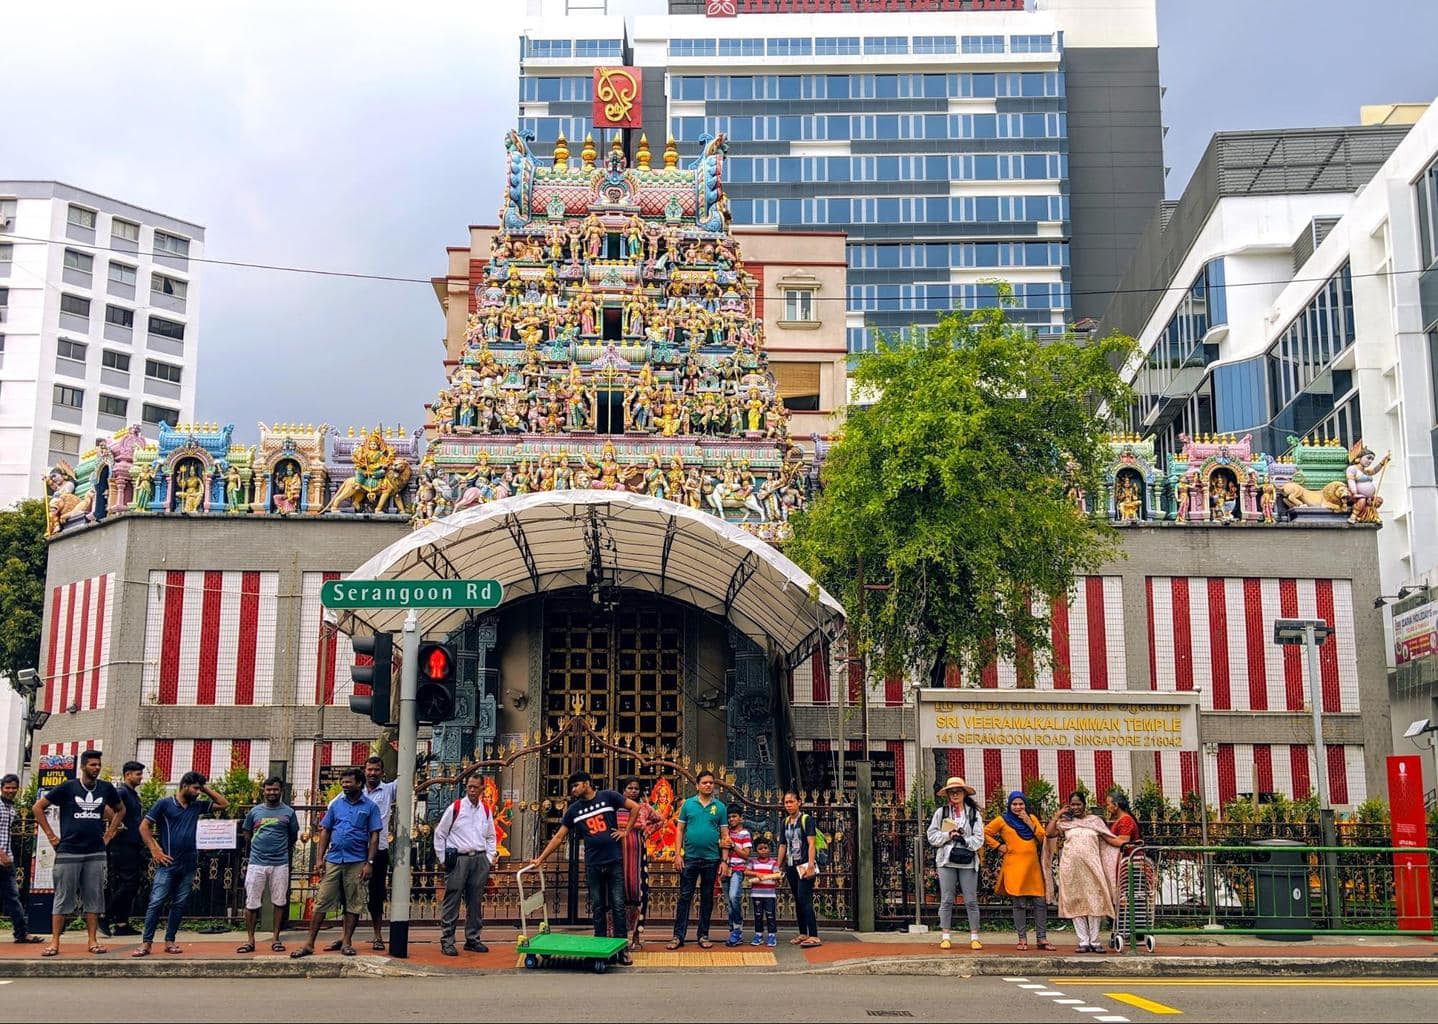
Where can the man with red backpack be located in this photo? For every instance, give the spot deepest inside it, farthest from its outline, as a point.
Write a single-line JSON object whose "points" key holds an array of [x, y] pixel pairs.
{"points": [[466, 844]]}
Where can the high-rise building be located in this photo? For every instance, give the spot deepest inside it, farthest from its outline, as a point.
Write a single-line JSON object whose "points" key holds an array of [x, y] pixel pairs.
{"points": [[98, 324], [956, 147]]}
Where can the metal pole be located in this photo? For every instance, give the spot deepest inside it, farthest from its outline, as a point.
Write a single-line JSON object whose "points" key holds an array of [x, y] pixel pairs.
{"points": [[863, 670], [920, 837], [404, 789], [1320, 759], [1208, 891]]}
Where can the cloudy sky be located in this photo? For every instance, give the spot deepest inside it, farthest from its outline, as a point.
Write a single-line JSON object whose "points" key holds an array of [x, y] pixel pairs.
{"points": [[364, 137]]}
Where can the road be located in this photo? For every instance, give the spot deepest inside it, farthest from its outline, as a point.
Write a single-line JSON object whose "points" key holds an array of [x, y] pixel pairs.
{"points": [[715, 996]]}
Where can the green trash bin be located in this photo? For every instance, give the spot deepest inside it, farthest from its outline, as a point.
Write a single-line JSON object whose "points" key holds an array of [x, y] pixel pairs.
{"points": [[1280, 883]]}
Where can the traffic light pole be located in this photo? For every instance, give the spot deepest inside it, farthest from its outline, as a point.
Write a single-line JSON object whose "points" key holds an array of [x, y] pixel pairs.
{"points": [[404, 790]]}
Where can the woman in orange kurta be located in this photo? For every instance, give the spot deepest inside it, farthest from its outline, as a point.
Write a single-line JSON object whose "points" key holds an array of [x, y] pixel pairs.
{"points": [[1018, 836]]}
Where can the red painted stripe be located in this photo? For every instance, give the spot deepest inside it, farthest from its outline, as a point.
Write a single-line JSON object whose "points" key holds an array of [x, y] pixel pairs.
{"points": [[1227, 775], [1158, 770], [819, 672], [1255, 640], [1182, 635], [893, 689], [993, 770], [325, 687], [1028, 766], [1328, 650], [325, 753], [956, 762], [953, 678], [164, 759], [901, 774], [1218, 643], [209, 663], [69, 646], [821, 745], [1152, 644], [99, 639], [171, 631], [359, 752], [1263, 767], [1097, 637], [240, 755], [1293, 685], [1062, 661], [1337, 774], [1068, 773], [50, 653], [1298, 767], [1102, 773], [1188, 771], [200, 757], [989, 676], [82, 649], [248, 639]]}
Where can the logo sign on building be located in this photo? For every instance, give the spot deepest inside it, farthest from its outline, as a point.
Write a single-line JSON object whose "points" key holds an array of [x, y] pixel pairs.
{"points": [[721, 8], [617, 94], [1059, 719], [729, 8], [1410, 870], [1415, 633], [412, 594]]}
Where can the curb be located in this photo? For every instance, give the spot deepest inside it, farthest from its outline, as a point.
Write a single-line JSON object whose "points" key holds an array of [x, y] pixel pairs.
{"points": [[1136, 966]]}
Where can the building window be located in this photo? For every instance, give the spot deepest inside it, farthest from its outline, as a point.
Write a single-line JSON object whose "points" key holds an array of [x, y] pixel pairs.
{"points": [[162, 371], [81, 217], [7, 253], [799, 306], [160, 284], [167, 244], [113, 405], [126, 229], [70, 398], [112, 360], [798, 384], [67, 349], [163, 328], [121, 273], [120, 316], [1031, 44], [545, 48], [81, 261], [790, 47], [74, 305], [7, 214], [837, 46], [156, 414], [1426, 188], [741, 47], [934, 44], [982, 44], [692, 47], [597, 48], [886, 44], [62, 443]]}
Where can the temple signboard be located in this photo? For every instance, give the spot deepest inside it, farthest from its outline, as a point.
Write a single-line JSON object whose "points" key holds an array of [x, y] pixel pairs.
{"points": [[1061, 719], [617, 95]]}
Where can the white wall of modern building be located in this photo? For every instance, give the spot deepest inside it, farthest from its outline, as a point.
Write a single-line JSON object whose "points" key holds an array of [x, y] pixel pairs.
{"points": [[99, 324]]}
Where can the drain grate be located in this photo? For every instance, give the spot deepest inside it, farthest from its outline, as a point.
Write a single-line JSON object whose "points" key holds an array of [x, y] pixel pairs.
{"points": [[889, 1013]]}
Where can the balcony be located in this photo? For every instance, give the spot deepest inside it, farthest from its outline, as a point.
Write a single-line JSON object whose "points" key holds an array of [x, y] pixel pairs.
{"points": [[166, 301]]}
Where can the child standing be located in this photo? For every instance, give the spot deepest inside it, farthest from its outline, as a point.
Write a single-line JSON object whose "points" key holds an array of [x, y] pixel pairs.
{"points": [[741, 846], [763, 892]]}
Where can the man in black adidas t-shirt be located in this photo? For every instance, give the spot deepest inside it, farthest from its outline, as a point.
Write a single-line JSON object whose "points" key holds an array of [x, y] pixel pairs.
{"points": [[592, 813], [88, 822]]}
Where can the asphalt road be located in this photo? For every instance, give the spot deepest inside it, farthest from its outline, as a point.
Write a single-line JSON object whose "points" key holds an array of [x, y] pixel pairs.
{"points": [[738, 995]]}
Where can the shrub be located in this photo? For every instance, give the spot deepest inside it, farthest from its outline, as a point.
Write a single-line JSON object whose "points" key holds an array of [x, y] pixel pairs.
{"points": [[1150, 804], [1042, 798], [1373, 811]]}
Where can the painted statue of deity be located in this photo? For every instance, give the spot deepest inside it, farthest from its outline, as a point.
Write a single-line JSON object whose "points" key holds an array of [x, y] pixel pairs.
{"points": [[144, 478], [189, 490], [234, 490], [379, 478], [61, 503], [1364, 475], [593, 236]]}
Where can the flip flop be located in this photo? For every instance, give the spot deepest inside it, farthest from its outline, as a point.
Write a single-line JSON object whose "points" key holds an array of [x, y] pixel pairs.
{"points": [[335, 946], [674, 944], [377, 945], [705, 944], [248, 947], [142, 951], [50, 951], [98, 950], [29, 940], [171, 948], [347, 951], [812, 944], [301, 952]]}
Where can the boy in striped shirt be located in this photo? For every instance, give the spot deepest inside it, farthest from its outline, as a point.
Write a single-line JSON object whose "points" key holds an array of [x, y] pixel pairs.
{"points": [[763, 894], [741, 845]]}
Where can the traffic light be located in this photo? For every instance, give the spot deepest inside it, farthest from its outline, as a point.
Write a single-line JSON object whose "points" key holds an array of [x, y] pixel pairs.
{"points": [[434, 699], [377, 706]]}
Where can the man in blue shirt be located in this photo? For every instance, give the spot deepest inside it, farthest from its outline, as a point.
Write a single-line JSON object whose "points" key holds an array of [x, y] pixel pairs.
{"points": [[349, 840], [175, 818]]}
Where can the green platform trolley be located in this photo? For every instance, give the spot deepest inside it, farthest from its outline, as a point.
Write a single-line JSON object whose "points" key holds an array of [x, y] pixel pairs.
{"points": [[545, 946]]}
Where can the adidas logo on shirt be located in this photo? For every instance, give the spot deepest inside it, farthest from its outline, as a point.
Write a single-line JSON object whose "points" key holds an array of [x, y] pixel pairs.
{"points": [[88, 806]]}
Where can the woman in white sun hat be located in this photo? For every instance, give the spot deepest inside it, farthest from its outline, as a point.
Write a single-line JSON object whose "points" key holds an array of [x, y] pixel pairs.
{"points": [[957, 834]]}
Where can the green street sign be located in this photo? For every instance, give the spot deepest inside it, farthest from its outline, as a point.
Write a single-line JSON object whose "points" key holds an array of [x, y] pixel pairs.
{"points": [[412, 594]]}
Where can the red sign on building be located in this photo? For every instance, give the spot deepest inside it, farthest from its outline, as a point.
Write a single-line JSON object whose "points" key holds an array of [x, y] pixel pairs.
{"points": [[720, 8], [729, 8], [617, 95], [1410, 870]]}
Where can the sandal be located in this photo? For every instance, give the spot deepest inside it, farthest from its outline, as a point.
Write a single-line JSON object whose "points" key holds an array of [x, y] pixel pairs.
{"points": [[248, 947], [812, 942], [1022, 946], [1047, 946], [301, 952], [335, 946], [172, 948], [98, 950], [796, 940], [142, 951], [277, 946], [347, 951], [704, 943], [50, 951], [675, 944], [377, 945]]}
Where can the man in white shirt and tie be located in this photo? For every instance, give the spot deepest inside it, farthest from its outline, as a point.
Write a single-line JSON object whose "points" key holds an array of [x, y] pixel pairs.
{"points": [[466, 844]]}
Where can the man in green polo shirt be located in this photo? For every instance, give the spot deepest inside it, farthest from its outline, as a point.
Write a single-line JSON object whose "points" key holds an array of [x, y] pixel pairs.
{"points": [[703, 832]]}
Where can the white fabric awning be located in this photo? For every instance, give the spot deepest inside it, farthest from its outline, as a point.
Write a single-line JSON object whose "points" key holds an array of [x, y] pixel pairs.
{"points": [[548, 541]]}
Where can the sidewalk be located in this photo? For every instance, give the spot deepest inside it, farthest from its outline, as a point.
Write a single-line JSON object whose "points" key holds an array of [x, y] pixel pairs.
{"points": [[875, 953]]}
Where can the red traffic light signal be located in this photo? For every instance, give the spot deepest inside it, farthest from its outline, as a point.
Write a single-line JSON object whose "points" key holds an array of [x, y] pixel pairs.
{"points": [[435, 696], [436, 663]]}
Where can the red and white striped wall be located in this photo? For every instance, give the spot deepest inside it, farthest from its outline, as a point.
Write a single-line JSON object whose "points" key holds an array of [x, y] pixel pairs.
{"points": [[170, 759], [210, 638], [325, 655], [1215, 634], [74, 748], [77, 658], [1286, 769], [1004, 769]]}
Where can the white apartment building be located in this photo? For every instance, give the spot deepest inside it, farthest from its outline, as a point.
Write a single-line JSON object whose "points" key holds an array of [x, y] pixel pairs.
{"points": [[99, 324]]}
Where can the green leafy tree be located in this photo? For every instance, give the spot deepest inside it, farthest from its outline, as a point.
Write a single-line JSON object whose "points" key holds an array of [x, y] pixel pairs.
{"points": [[22, 585], [950, 490]]}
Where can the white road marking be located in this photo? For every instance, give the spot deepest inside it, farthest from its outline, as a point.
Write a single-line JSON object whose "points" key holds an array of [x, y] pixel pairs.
{"points": [[1031, 987], [1016, 979], [1089, 1009], [1047, 992], [1069, 1002], [1113, 1020]]}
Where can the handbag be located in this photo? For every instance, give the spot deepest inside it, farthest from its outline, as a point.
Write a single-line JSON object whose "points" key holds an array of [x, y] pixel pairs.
{"points": [[960, 856]]}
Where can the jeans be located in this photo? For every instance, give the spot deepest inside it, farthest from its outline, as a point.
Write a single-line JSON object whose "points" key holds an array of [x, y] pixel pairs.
{"points": [[1040, 915], [10, 903], [126, 872], [606, 898], [764, 918], [465, 880], [378, 879], [171, 884], [735, 892], [703, 872], [803, 890], [951, 880]]}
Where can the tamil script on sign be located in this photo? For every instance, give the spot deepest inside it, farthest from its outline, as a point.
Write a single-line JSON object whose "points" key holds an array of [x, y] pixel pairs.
{"points": [[1113, 721]]}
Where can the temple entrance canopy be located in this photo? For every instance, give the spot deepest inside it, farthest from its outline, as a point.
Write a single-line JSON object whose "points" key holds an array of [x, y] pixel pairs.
{"points": [[607, 542]]}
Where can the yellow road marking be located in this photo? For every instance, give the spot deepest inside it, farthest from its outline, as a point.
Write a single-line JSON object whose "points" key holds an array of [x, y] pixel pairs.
{"points": [[1140, 1002], [1256, 982]]}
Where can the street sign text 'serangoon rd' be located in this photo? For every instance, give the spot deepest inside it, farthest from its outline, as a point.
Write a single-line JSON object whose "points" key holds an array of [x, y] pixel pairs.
{"points": [[412, 594]]}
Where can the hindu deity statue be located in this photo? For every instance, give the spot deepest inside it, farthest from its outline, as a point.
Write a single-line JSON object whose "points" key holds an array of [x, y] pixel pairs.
{"points": [[234, 485], [756, 406], [1268, 501], [1363, 484], [189, 490], [1127, 500], [379, 479], [61, 502], [288, 484]]}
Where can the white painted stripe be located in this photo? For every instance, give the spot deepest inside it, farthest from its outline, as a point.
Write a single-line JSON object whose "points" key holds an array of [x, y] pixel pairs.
{"points": [[1113, 1020], [1078, 637], [1237, 652], [1113, 633], [228, 649], [1016, 979], [1031, 986], [1088, 1009], [1068, 1002], [1047, 992]]}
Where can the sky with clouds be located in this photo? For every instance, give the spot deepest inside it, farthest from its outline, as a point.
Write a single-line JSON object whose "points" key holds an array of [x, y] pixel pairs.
{"points": [[365, 137]]}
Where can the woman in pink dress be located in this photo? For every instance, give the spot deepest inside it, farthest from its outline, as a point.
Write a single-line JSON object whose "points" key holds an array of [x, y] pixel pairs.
{"points": [[636, 858]]}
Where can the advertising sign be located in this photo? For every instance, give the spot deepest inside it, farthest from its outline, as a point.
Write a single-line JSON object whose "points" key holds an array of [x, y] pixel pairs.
{"points": [[617, 94], [1410, 870], [1062, 719], [729, 8], [51, 771], [1415, 633]]}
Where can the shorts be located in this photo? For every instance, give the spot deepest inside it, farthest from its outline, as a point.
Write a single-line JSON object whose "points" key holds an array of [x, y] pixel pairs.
{"points": [[274, 877], [342, 885], [80, 886]]}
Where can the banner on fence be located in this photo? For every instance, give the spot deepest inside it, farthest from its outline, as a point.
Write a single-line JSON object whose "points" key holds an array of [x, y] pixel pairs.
{"points": [[1410, 870], [819, 770], [215, 834], [1063, 719]]}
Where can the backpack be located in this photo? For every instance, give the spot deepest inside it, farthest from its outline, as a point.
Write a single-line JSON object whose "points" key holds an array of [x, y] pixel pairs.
{"points": [[821, 843]]}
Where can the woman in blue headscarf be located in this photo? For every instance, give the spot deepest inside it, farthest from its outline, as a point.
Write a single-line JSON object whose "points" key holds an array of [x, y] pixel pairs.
{"points": [[1017, 836]]}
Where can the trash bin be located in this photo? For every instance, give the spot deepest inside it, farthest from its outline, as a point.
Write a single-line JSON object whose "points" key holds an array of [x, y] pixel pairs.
{"points": [[1280, 884]]}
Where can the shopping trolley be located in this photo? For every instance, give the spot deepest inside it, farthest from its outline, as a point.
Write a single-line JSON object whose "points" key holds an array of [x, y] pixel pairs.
{"points": [[546, 946], [1135, 899]]}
